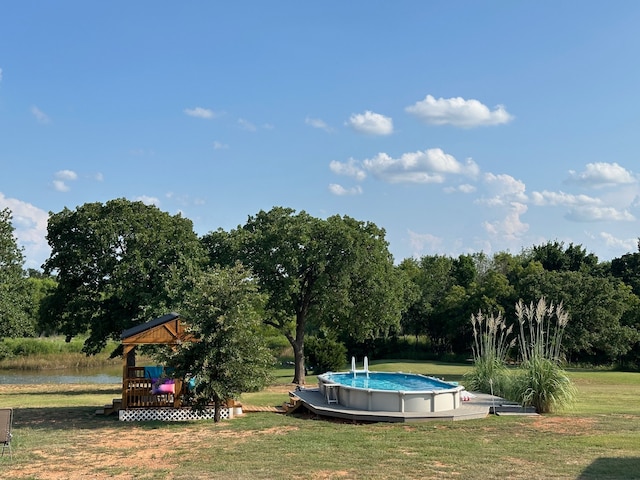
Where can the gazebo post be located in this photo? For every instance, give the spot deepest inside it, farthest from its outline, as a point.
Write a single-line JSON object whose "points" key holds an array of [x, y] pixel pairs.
{"points": [[129, 358]]}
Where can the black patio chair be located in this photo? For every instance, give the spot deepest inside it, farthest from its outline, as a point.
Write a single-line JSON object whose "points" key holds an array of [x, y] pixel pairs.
{"points": [[6, 423]]}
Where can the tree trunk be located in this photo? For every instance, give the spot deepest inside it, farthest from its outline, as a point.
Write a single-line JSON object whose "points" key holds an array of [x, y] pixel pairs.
{"points": [[217, 404], [298, 351]]}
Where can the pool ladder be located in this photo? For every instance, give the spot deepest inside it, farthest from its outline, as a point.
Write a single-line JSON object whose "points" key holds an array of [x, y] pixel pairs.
{"points": [[364, 370]]}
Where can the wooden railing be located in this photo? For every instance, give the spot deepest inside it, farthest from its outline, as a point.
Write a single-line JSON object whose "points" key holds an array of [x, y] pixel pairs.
{"points": [[138, 391]]}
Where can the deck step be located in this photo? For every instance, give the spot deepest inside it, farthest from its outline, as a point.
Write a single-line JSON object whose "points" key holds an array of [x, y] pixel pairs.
{"points": [[517, 414], [512, 409], [293, 404], [255, 408], [108, 409]]}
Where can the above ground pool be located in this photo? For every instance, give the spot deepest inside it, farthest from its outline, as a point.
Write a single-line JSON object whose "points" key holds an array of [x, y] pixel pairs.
{"points": [[388, 381], [389, 391]]}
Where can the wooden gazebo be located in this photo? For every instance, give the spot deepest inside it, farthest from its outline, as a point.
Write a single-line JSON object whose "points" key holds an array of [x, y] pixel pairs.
{"points": [[151, 392], [150, 386]]}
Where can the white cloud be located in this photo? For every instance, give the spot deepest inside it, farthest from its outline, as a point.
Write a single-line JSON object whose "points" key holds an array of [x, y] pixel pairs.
{"points": [[511, 227], [349, 169], [421, 242], [200, 112], [98, 177], [602, 174], [60, 186], [220, 146], [464, 188], [41, 117], [546, 198], [148, 200], [61, 178], [30, 224], [339, 190], [247, 125], [582, 208], [593, 213], [428, 166], [66, 175], [141, 152], [504, 190], [626, 244], [183, 200], [458, 112], [0, 74], [318, 123], [371, 123]]}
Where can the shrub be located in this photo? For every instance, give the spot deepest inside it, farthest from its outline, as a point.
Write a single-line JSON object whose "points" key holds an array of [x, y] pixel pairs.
{"points": [[490, 347], [5, 352], [540, 335], [51, 352], [278, 345], [393, 347], [24, 347], [541, 381], [488, 375], [324, 355]]}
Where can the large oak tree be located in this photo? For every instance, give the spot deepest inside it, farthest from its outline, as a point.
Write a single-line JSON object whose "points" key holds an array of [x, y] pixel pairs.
{"points": [[114, 264], [335, 273]]}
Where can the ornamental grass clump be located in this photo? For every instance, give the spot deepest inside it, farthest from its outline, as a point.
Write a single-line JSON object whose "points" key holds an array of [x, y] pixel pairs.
{"points": [[491, 344], [541, 381]]}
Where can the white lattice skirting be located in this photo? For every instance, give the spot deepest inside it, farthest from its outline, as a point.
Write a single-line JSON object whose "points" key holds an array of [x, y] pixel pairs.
{"points": [[172, 414]]}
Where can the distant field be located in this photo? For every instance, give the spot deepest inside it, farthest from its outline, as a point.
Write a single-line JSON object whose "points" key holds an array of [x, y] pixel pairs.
{"points": [[57, 436], [51, 353]]}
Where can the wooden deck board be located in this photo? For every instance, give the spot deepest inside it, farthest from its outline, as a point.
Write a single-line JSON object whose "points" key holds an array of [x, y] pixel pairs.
{"points": [[254, 408]]}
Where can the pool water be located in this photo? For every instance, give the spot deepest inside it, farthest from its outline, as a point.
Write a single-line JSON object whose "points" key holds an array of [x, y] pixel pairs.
{"points": [[396, 381]]}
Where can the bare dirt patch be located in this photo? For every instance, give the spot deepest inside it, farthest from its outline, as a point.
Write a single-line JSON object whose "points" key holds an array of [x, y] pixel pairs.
{"points": [[115, 450], [564, 425], [111, 452], [329, 474]]}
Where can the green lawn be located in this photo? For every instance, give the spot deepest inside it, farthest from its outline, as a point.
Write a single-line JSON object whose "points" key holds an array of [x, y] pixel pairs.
{"points": [[57, 435]]}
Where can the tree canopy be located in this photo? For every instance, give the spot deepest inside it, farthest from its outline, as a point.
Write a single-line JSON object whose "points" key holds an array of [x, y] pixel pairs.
{"points": [[555, 257], [14, 320], [336, 274], [117, 264], [627, 268], [223, 308], [113, 264]]}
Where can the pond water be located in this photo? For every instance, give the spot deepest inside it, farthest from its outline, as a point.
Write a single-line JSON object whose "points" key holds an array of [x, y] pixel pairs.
{"points": [[81, 375]]}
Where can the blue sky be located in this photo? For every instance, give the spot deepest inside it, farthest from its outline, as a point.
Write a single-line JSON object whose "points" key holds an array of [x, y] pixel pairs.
{"points": [[457, 126]]}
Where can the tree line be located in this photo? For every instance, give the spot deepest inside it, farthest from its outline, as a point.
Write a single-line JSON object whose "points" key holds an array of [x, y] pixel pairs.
{"points": [[114, 265]]}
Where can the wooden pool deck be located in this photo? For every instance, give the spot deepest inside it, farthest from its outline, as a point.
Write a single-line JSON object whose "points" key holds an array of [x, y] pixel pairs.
{"points": [[315, 402]]}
